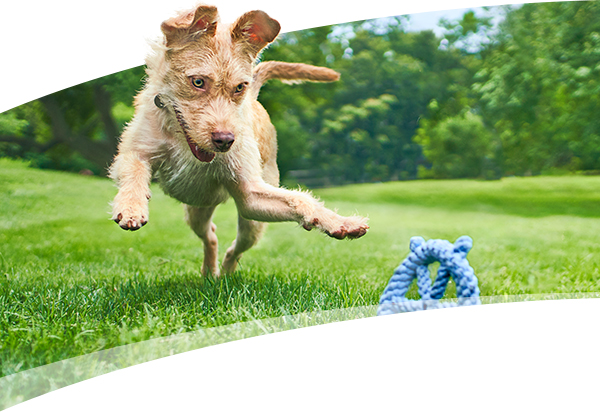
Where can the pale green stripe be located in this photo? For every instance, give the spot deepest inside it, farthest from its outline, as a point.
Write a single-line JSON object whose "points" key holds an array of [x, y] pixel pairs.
{"points": [[22, 386]]}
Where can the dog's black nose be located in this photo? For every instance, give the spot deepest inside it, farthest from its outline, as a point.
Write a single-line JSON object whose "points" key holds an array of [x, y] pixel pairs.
{"points": [[223, 140]]}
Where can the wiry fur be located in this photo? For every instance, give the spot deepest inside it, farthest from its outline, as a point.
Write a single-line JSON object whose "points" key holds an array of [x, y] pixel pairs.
{"points": [[202, 86]]}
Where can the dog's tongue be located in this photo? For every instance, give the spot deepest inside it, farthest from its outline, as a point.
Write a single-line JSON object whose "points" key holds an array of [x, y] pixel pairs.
{"points": [[200, 154]]}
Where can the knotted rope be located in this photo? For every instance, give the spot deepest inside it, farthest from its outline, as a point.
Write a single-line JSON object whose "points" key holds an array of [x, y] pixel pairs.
{"points": [[453, 262]]}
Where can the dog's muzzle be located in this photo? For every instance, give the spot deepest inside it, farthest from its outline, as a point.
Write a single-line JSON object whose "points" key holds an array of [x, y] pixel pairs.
{"points": [[197, 151]]}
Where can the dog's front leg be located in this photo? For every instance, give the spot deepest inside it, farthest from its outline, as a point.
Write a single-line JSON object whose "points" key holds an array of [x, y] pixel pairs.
{"points": [[132, 174], [263, 202]]}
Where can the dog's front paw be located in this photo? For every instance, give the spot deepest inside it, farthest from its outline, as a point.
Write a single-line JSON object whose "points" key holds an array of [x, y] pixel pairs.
{"points": [[131, 218], [351, 228]]}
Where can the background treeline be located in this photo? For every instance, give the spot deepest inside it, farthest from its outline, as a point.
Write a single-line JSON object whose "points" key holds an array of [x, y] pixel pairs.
{"points": [[483, 101]]}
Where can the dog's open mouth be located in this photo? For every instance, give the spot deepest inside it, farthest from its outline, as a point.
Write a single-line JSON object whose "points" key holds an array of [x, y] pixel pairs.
{"points": [[200, 154]]}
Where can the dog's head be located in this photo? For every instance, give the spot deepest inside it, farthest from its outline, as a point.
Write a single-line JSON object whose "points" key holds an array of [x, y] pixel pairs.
{"points": [[208, 71]]}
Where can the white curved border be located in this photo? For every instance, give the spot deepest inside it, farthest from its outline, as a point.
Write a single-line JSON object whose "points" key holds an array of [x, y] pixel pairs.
{"points": [[519, 356], [523, 356], [51, 45], [26, 385]]}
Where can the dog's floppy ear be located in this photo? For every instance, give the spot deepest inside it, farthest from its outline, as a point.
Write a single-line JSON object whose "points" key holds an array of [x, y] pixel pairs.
{"points": [[255, 29], [190, 25]]}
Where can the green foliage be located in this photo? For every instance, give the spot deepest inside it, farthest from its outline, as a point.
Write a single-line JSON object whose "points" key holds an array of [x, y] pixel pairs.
{"points": [[535, 89], [360, 136], [469, 33], [74, 129], [359, 129], [401, 108], [296, 110], [122, 86], [122, 112], [10, 124], [459, 147], [539, 87]]}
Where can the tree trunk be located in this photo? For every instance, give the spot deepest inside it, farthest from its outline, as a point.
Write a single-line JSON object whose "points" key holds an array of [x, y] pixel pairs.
{"points": [[100, 153], [103, 103]]}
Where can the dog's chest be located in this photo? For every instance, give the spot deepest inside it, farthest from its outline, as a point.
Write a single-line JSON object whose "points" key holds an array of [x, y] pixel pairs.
{"points": [[190, 181]]}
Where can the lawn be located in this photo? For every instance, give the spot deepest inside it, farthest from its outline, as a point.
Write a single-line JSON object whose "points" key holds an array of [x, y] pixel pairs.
{"points": [[72, 282]]}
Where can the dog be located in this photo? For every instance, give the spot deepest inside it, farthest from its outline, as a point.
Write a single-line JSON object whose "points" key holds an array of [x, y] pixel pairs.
{"points": [[200, 130]]}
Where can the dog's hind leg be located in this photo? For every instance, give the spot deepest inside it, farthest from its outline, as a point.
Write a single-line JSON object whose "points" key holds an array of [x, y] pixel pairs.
{"points": [[249, 233], [200, 220]]}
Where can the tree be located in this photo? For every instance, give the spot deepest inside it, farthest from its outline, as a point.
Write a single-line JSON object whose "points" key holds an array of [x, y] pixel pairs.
{"points": [[454, 137], [539, 87], [460, 146], [296, 109], [519, 98], [73, 129], [388, 78]]}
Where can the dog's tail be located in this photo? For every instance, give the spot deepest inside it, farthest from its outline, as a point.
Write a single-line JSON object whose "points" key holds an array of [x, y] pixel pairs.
{"points": [[291, 73]]}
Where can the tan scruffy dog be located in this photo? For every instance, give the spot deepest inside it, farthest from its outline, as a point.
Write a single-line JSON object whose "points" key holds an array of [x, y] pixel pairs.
{"points": [[199, 128]]}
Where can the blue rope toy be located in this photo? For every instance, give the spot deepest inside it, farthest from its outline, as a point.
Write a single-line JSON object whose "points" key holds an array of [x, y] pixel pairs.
{"points": [[453, 262]]}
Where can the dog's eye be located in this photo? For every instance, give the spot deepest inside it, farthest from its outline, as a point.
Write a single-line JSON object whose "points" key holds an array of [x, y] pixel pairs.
{"points": [[198, 83], [240, 87]]}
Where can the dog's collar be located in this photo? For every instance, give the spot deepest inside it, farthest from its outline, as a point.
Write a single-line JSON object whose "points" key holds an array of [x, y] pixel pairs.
{"points": [[158, 101]]}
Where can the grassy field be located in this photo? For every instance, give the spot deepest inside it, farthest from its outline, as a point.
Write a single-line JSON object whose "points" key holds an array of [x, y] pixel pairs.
{"points": [[72, 282]]}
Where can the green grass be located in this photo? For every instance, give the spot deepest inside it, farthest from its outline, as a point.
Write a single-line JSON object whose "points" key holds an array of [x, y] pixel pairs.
{"points": [[72, 282]]}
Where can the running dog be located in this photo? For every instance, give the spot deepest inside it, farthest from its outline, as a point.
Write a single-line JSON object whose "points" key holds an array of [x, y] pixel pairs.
{"points": [[200, 130]]}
